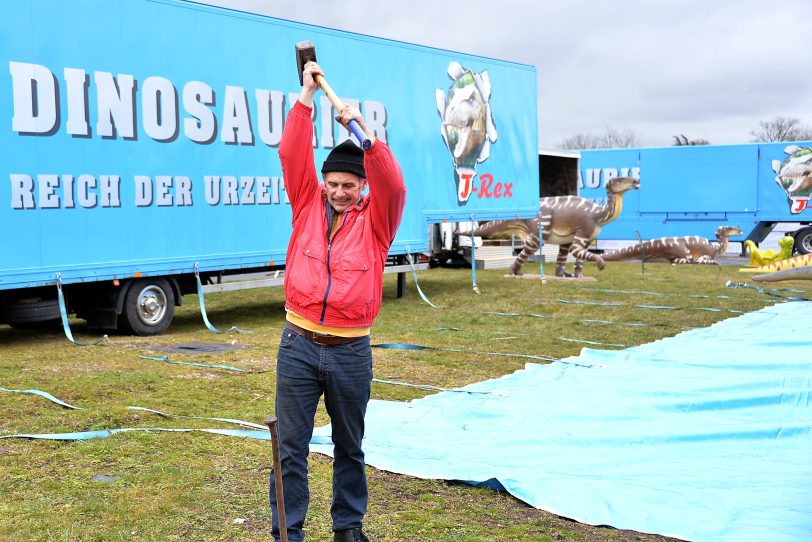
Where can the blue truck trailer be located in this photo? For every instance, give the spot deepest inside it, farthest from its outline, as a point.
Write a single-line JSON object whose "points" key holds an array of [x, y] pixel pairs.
{"points": [[691, 190], [140, 144]]}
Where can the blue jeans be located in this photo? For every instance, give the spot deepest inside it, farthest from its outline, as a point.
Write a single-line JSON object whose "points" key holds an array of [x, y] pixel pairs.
{"points": [[343, 373]]}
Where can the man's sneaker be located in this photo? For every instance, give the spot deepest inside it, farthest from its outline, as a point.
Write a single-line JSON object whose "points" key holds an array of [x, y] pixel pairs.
{"points": [[350, 535]]}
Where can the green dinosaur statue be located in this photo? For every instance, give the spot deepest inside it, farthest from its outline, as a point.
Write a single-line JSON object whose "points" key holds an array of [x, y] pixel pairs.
{"points": [[765, 257]]}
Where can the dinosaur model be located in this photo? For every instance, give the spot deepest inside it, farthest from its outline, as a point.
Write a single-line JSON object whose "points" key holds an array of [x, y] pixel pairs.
{"points": [[765, 257], [789, 263], [567, 221], [690, 249], [793, 273]]}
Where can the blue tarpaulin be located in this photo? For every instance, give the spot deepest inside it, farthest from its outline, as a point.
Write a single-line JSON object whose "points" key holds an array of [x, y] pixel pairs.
{"points": [[706, 436]]}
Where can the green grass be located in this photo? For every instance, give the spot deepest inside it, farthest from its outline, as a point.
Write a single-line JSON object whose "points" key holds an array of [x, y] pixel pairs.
{"points": [[193, 486]]}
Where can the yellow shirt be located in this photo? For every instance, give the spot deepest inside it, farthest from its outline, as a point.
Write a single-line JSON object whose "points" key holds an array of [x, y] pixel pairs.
{"points": [[304, 323]]}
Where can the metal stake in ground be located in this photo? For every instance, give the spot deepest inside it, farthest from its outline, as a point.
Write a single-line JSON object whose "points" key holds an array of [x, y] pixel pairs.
{"points": [[642, 253], [270, 421]]}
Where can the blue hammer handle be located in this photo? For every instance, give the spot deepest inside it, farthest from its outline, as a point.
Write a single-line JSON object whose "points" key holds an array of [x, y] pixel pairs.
{"points": [[362, 137]]}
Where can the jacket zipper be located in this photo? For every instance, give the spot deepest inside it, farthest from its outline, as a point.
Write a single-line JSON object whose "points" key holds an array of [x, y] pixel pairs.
{"points": [[329, 273]]}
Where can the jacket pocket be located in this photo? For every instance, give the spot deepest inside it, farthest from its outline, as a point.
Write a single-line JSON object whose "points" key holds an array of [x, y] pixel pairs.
{"points": [[308, 274], [354, 285]]}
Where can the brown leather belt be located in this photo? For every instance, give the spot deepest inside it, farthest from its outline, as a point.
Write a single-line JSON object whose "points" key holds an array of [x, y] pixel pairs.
{"points": [[320, 338]]}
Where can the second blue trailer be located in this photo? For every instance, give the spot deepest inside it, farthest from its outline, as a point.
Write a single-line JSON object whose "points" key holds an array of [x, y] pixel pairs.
{"points": [[691, 190]]}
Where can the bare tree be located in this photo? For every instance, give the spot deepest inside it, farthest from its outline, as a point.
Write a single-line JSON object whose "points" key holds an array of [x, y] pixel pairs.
{"points": [[682, 141], [580, 141], [610, 139], [617, 139], [780, 129]]}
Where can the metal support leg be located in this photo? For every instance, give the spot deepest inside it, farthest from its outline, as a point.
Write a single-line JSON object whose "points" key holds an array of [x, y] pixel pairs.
{"points": [[401, 278]]}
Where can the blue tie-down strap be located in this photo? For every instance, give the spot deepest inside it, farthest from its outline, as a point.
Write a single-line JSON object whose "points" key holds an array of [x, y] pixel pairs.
{"points": [[541, 254], [414, 274], [44, 394], [63, 311], [401, 346], [254, 431], [598, 303], [587, 320], [590, 342], [530, 315], [166, 359], [611, 291], [473, 256], [203, 309], [224, 420], [434, 388], [104, 433], [772, 293]]}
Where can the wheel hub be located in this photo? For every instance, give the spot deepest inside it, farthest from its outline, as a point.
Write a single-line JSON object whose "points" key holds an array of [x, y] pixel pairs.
{"points": [[806, 243], [151, 305]]}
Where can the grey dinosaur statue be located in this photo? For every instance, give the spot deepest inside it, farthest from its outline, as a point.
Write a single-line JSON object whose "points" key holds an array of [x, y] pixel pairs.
{"points": [[567, 221], [678, 250], [796, 273]]}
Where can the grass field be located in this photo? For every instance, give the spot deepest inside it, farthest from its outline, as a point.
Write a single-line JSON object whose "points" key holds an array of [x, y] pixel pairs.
{"points": [[203, 487]]}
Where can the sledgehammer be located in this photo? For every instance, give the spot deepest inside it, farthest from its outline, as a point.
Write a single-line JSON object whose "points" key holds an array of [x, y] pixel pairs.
{"points": [[306, 52], [271, 422]]}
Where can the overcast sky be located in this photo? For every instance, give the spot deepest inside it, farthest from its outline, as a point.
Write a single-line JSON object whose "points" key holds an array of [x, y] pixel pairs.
{"points": [[709, 69]]}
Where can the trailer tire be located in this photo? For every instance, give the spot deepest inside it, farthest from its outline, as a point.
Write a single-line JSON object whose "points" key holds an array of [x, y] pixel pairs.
{"points": [[31, 313], [803, 240], [148, 307]]}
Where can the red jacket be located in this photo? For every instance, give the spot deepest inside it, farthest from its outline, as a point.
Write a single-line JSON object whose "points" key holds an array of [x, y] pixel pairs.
{"points": [[338, 283]]}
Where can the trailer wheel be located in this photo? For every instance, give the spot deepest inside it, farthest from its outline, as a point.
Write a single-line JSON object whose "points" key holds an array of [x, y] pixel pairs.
{"points": [[148, 307], [803, 240], [31, 313]]}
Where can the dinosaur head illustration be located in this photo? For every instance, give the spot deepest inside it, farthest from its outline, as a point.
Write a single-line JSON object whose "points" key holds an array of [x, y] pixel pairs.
{"points": [[467, 123], [728, 231], [794, 174], [619, 185]]}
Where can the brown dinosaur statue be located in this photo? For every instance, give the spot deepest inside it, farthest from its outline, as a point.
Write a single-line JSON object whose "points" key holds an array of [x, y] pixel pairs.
{"points": [[567, 221], [690, 249]]}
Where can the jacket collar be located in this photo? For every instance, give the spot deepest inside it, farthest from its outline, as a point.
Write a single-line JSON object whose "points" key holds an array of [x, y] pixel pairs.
{"points": [[330, 213]]}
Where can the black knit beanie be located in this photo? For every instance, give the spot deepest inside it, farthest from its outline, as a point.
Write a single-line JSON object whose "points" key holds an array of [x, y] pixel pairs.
{"points": [[347, 157]]}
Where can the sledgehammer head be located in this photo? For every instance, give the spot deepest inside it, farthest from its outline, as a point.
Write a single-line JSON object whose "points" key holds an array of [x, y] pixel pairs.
{"points": [[305, 52]]}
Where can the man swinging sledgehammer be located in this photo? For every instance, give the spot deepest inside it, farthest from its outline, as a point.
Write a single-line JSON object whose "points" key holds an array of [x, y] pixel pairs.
{"points": [[333, 291]]}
